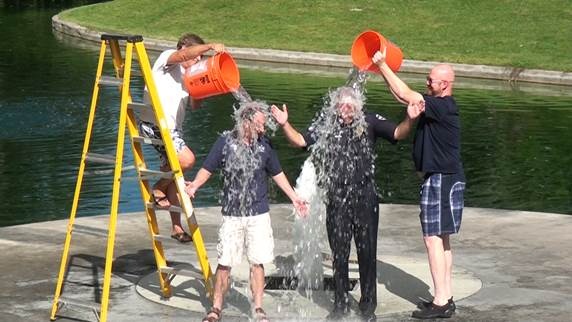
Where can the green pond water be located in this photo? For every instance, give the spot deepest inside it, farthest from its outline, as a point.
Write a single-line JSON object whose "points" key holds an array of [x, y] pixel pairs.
{"points": [[516, 144]]}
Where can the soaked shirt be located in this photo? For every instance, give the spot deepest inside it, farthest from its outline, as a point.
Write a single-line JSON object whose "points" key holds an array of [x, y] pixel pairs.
{"points": [[245, 171], [349, 158]]}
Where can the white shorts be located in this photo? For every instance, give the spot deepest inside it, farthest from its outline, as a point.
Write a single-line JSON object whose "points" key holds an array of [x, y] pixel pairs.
{"points": [[252, 232]]}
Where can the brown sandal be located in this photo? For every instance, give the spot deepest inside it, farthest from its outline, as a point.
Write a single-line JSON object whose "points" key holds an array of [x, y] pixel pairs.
{"points": [[260, 315], [161, 202], [215, 311], [182, 237]]}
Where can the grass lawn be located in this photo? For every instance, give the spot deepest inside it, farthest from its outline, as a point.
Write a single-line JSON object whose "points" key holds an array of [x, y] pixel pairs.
{"points": [[518, 33]]}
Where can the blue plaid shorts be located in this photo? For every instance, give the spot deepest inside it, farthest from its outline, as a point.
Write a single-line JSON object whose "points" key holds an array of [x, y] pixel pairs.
{"points": [[442, 203]]}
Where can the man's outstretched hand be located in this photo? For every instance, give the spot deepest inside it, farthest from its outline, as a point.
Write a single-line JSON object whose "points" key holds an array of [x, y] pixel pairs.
{"points": [[190, 188], [281, 116], [301, 206]]}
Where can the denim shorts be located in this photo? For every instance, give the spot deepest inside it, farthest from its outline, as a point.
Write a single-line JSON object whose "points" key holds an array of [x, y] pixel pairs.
{"points": [[442, 202], [150, 130]]}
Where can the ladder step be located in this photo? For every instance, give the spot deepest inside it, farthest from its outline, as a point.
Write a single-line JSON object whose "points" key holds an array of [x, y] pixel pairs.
{"points": [[110, 81], [141, 139], [84, 305], [151, 174], [164, 239], [100, 158], [89, 230], [152, 205], [78, 303], [139, 106], [110, 171], [182, 270]]}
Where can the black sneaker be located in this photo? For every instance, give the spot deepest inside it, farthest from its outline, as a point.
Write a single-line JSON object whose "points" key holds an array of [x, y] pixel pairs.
{"points": [[425, 304], [339, 312], [433, 312], [368, 317]]}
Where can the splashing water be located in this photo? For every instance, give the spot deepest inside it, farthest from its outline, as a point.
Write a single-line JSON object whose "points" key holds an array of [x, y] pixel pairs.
{"points": [[241, 95], [339, 145], [356, 80], [341, 151], [243, 149], [310, 232]]}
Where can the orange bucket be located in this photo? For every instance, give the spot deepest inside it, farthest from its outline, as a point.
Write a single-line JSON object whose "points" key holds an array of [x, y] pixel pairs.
{"points": [[216, 75], [367, 44]]}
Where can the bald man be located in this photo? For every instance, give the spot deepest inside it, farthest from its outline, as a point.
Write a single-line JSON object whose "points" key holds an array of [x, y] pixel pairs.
{"points": [[437, 157]]}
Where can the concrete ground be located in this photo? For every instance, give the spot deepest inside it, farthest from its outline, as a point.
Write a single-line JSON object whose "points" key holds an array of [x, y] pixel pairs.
{"points": [[509, 266]]}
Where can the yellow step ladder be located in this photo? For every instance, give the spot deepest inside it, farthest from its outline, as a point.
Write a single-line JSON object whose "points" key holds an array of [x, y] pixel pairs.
{"points": [[127, 119]]}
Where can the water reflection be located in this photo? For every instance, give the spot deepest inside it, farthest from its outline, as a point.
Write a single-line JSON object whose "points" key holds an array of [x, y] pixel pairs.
{"points": [[516, 146]]}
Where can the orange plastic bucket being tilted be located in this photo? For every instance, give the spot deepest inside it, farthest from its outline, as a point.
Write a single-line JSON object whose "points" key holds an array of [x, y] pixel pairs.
{"points": [[214, 76], [367, 44]]}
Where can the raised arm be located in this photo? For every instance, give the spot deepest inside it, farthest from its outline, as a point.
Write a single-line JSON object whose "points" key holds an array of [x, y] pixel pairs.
{"points": [[300, 204], [398, 88], [192, 52], [293, 136]]}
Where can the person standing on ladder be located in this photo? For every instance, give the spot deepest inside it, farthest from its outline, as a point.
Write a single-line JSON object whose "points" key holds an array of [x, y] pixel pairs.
{"points": [[168, 72]]}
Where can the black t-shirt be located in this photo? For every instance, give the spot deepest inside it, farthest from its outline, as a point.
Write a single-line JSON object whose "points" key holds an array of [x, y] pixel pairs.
{"points": [[236, 183], [437, 143], [377, 127], [348, 159]]}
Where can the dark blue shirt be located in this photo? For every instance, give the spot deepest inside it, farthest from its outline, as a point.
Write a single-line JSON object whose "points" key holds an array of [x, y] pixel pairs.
{"points": [[245, 191], [437, 142]]}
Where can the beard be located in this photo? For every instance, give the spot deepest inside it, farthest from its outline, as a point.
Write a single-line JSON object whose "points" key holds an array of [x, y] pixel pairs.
{"points": [[430, 91]]}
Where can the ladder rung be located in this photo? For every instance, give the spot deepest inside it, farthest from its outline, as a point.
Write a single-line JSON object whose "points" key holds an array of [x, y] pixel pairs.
{"points": [[109, 171], [110, 81], [100, 158], [141, 139], [182, 270], [74, 302], [152, 205], [168, 240], [66, 301], [149, 174], [139, 106], [89, 230]]}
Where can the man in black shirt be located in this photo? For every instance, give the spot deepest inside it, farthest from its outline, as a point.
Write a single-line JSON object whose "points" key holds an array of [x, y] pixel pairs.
{"points": [[342, 141], [437, 157]]}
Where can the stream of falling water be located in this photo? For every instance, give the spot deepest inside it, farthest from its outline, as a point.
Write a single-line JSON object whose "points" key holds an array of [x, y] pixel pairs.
{"points": [[319, 174]]}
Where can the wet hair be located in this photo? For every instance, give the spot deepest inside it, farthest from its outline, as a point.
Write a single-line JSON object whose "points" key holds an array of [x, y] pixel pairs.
{"points": [[189, 40], [346, 94], [248, 110]]}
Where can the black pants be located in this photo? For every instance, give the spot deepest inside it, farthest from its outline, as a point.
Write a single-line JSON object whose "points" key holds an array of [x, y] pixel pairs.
{"points": [[359, 218]]}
